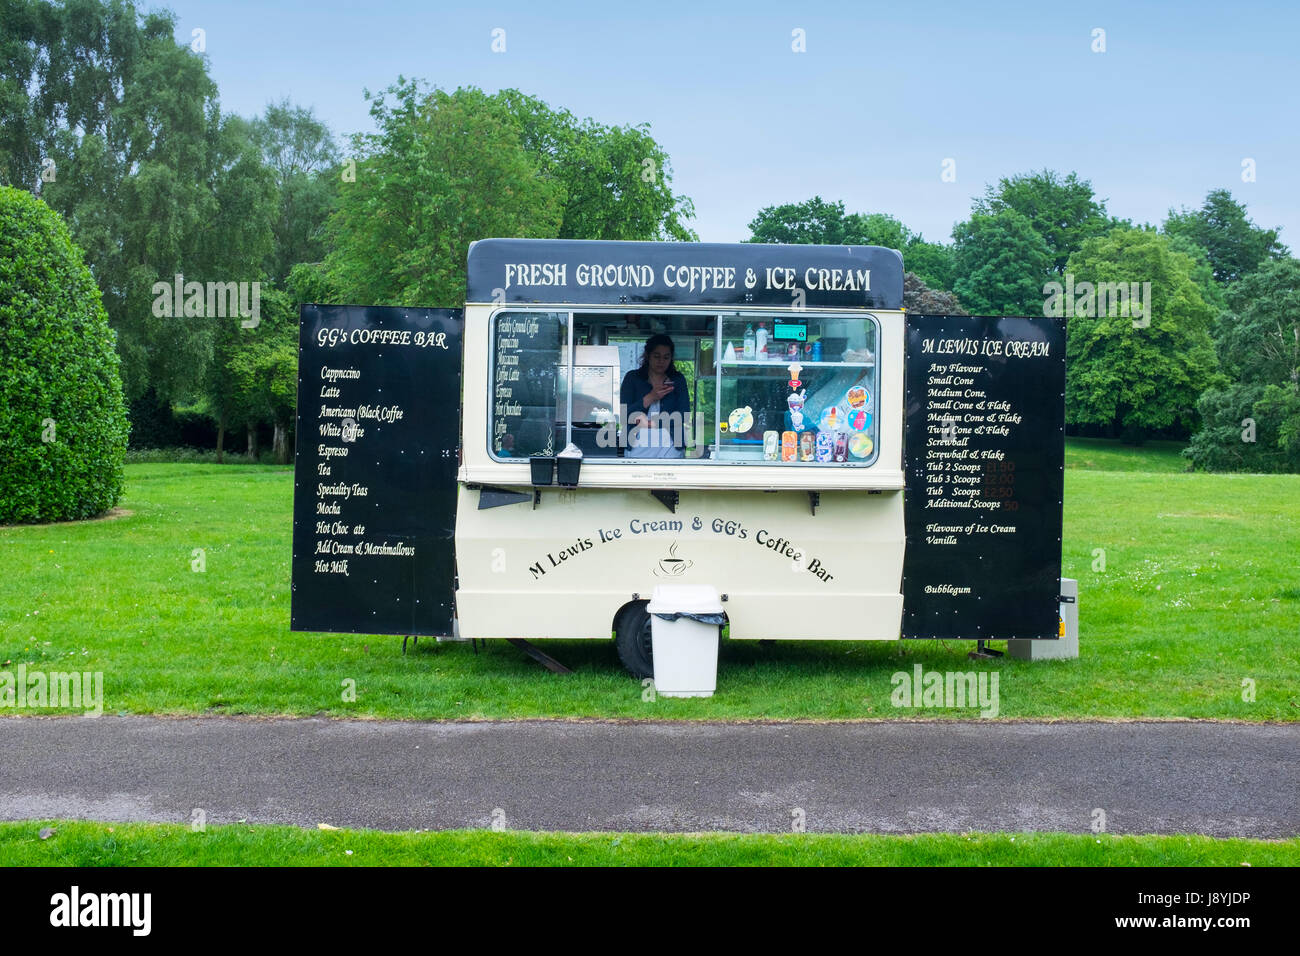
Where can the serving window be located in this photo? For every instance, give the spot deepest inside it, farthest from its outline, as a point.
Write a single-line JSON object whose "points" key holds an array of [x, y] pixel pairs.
{"points": [[790, 390]]}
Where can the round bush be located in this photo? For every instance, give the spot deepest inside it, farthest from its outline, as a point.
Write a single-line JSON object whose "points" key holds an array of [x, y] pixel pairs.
{"points": [[63, 424]]}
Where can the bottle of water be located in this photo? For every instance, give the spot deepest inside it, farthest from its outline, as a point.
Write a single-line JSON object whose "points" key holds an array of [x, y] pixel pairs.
{"points": [[749, 352]]}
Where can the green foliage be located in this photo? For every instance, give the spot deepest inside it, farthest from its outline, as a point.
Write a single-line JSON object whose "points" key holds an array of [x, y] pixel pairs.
{"points": [[1259, 334], [1133, 381], [264, 364], [1061, 210], [932, 262], [63, 426], [308, 282], [254, 375], [1259, 346], [182, 454], [150, 177], [618, 185], [920, 299], [818, 222], [1241, 430], [814, 222], [1001, 264], [444, 170], [1235, 246], [300, 150], [153, 423], [1202, 273]]}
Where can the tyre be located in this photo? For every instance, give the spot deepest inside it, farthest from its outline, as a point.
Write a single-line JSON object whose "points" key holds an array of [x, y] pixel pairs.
{"points": [[632, 637]]}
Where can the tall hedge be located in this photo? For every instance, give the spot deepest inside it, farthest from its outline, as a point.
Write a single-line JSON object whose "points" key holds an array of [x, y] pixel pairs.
{"points": [[63, 425]]}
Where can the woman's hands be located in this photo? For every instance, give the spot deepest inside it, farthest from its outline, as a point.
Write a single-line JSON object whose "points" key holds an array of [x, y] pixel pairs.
{"points": [[657, 392]]}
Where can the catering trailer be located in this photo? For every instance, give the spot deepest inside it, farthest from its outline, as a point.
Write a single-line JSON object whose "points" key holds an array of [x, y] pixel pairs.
{"points": [[833, 467]]}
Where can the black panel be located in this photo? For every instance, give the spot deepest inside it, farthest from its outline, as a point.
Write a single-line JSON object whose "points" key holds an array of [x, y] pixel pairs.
{"points": [[985, 456], [397, 576], [507, 271]]}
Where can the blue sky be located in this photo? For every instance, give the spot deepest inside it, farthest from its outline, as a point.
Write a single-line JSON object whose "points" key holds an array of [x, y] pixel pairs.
{"points": [[882, 96]]}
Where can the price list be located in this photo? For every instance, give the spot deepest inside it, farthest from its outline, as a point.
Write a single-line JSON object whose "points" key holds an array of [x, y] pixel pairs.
{"points": [[377, 433], [527, 349], [985, 471]]}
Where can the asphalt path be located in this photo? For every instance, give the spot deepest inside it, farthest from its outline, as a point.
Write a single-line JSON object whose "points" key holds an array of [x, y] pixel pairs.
{"points": [[1222, 779]]}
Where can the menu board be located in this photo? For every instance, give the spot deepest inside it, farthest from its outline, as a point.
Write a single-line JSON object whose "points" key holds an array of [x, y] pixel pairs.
{"points": [[527, 352], [985, 467], [374, 501]]}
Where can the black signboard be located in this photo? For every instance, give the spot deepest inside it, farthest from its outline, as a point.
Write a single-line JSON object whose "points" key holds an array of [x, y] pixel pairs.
{"points": [[374, 503], [587, 272], [985, 470], [527, 375]]}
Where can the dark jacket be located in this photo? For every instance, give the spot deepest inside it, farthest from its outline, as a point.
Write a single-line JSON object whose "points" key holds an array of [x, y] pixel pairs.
{"points": [[636, 385]]}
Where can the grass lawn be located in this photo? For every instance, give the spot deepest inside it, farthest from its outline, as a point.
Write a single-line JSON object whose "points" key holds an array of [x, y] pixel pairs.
{"points": [[141, 844], [1100, 454], [1199, 593]]}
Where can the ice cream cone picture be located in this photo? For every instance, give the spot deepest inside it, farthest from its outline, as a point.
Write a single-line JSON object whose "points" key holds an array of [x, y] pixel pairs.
{"points": [[741, 420], [795, 401]]}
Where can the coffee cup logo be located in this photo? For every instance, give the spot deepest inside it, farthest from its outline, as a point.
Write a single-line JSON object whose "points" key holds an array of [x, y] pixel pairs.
{"points": [[673, 566]]}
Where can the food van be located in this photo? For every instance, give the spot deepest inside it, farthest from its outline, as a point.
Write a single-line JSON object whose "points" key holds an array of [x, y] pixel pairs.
{"points": [[539, 487]]}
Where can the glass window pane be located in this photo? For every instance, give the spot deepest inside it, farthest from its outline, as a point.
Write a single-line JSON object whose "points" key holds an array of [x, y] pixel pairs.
{"points": [[798, 389], [609, 350], [527, 357]]}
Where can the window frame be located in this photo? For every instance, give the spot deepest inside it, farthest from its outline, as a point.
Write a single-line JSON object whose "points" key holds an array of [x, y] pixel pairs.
{"points": [[718, 315]]}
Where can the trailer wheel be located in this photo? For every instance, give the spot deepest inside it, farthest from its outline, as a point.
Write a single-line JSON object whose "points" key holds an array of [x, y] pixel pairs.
{"points": [[632, 638]]}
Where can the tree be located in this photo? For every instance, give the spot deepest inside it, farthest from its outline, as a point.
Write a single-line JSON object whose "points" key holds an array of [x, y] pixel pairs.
{"points": [[444, 170], [118, 128], [1127, 380], [301, 152], [617, 180], [1259, 334], [1235, 246], [254, 375], [1254, 423], [618, 185], [819, 222], [1202, 272], [1063, 211], [1241, 430], [1001, 264], [63, 426], [922, 300], [933, 262]]}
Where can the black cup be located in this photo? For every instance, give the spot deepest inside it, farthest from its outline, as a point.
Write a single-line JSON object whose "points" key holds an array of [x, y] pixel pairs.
{"points": [[543, 470], [568, 469]]}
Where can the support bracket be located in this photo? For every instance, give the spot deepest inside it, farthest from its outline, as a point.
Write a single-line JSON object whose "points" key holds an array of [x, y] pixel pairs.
{"points": [[983, 651], [546, 660], [489, 497], [667, 498]]}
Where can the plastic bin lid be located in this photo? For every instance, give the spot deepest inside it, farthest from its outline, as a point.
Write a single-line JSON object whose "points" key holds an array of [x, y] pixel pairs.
{"points": [[688, 598]]}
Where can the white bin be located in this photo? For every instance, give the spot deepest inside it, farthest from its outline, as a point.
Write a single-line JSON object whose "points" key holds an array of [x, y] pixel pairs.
{"points": [[685, 649]]}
